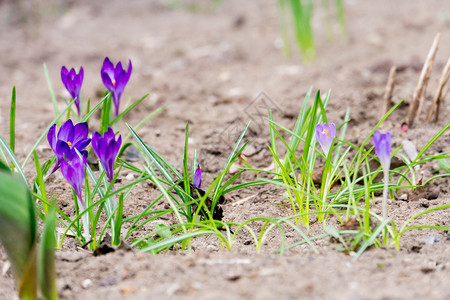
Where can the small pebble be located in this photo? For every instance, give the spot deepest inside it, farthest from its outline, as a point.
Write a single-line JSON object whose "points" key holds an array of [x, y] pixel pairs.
{"points": [[234, 168], [403, 197], [86, 283], [6, 267], [212, 248], [130, 177], [430, 239]]}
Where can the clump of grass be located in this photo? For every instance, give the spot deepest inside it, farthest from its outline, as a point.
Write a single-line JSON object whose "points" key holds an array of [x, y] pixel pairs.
{"points": [[301, 13], [354, 179]]}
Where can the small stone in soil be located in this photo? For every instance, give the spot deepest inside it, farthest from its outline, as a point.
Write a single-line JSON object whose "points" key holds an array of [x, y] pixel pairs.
{"points": [[233, 277], [424, 192], [109, 281], [132, 155], [211, 248], [430, 239], [125, 289], [427, 270], [86, 283]]}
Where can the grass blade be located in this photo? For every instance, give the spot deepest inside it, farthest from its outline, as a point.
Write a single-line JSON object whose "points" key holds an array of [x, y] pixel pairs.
{"points": [[12, 121], [52, 92], [18, 229], [46, 257]]}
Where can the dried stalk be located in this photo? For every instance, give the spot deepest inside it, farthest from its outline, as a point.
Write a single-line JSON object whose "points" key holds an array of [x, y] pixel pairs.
{"points": [[417, 101], [436, 105], [389, 90]]}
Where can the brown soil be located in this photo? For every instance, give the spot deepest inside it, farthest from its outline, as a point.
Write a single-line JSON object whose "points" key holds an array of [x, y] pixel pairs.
{"points": [[208, 66]]}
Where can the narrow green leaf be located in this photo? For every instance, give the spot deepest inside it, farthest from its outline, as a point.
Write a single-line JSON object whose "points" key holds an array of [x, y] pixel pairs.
{"points": [[118, 221], [12, 121], [40, 181], [106, 114], [18, 230], [46, 257], [12, 157], [52, 92]]}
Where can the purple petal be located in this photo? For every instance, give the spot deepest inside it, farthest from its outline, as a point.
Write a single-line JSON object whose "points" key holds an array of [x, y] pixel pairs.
{"points": [[106, 148], [114, 147], [123, 77], [383, 145], [80, 145], [198, 177], [84, 153], [64, 72], [116, 101], [118, 144], [107, 81], [77, 82], [108, 164], [107, 73], [73, 172], [108, 67], [130, 69], [66, 131], [118, 70], [81, 75], [333, 130], [121, 82], [51, 137], [72, 74], [63, 150], [325, 135], [319, 130], [81, 131], [376, 138], [96, 141], [109, 135], [102, 149]]}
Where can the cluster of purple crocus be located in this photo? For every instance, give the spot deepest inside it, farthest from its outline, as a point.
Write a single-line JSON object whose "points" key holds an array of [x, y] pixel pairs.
{"points": [[383, 144], [115, 78], [69, 147], [382, 141]]}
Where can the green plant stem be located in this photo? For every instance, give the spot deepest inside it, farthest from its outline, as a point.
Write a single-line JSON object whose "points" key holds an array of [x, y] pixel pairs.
{"points": [[84, 220], [385, 194], [111, 205], [324, 199]]}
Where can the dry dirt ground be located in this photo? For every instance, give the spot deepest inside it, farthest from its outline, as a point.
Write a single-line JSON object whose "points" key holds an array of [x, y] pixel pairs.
{"points": [[207, 65]]}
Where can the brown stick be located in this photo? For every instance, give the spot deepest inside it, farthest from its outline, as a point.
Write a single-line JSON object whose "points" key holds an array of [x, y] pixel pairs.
{"points": [[436, 105], [417, 101], [388, 91]]}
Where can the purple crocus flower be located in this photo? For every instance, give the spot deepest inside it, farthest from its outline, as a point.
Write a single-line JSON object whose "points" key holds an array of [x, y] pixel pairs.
{"points": [[115, 79], [73, 81], [73, 172], [106, 148], [198, 177], [383, 143], [69, 137], [325, 134]]}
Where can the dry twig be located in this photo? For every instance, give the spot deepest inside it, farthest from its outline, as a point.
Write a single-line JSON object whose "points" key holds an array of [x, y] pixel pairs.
{"points": [[417, 101], [389, 90], [435, 106]]}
